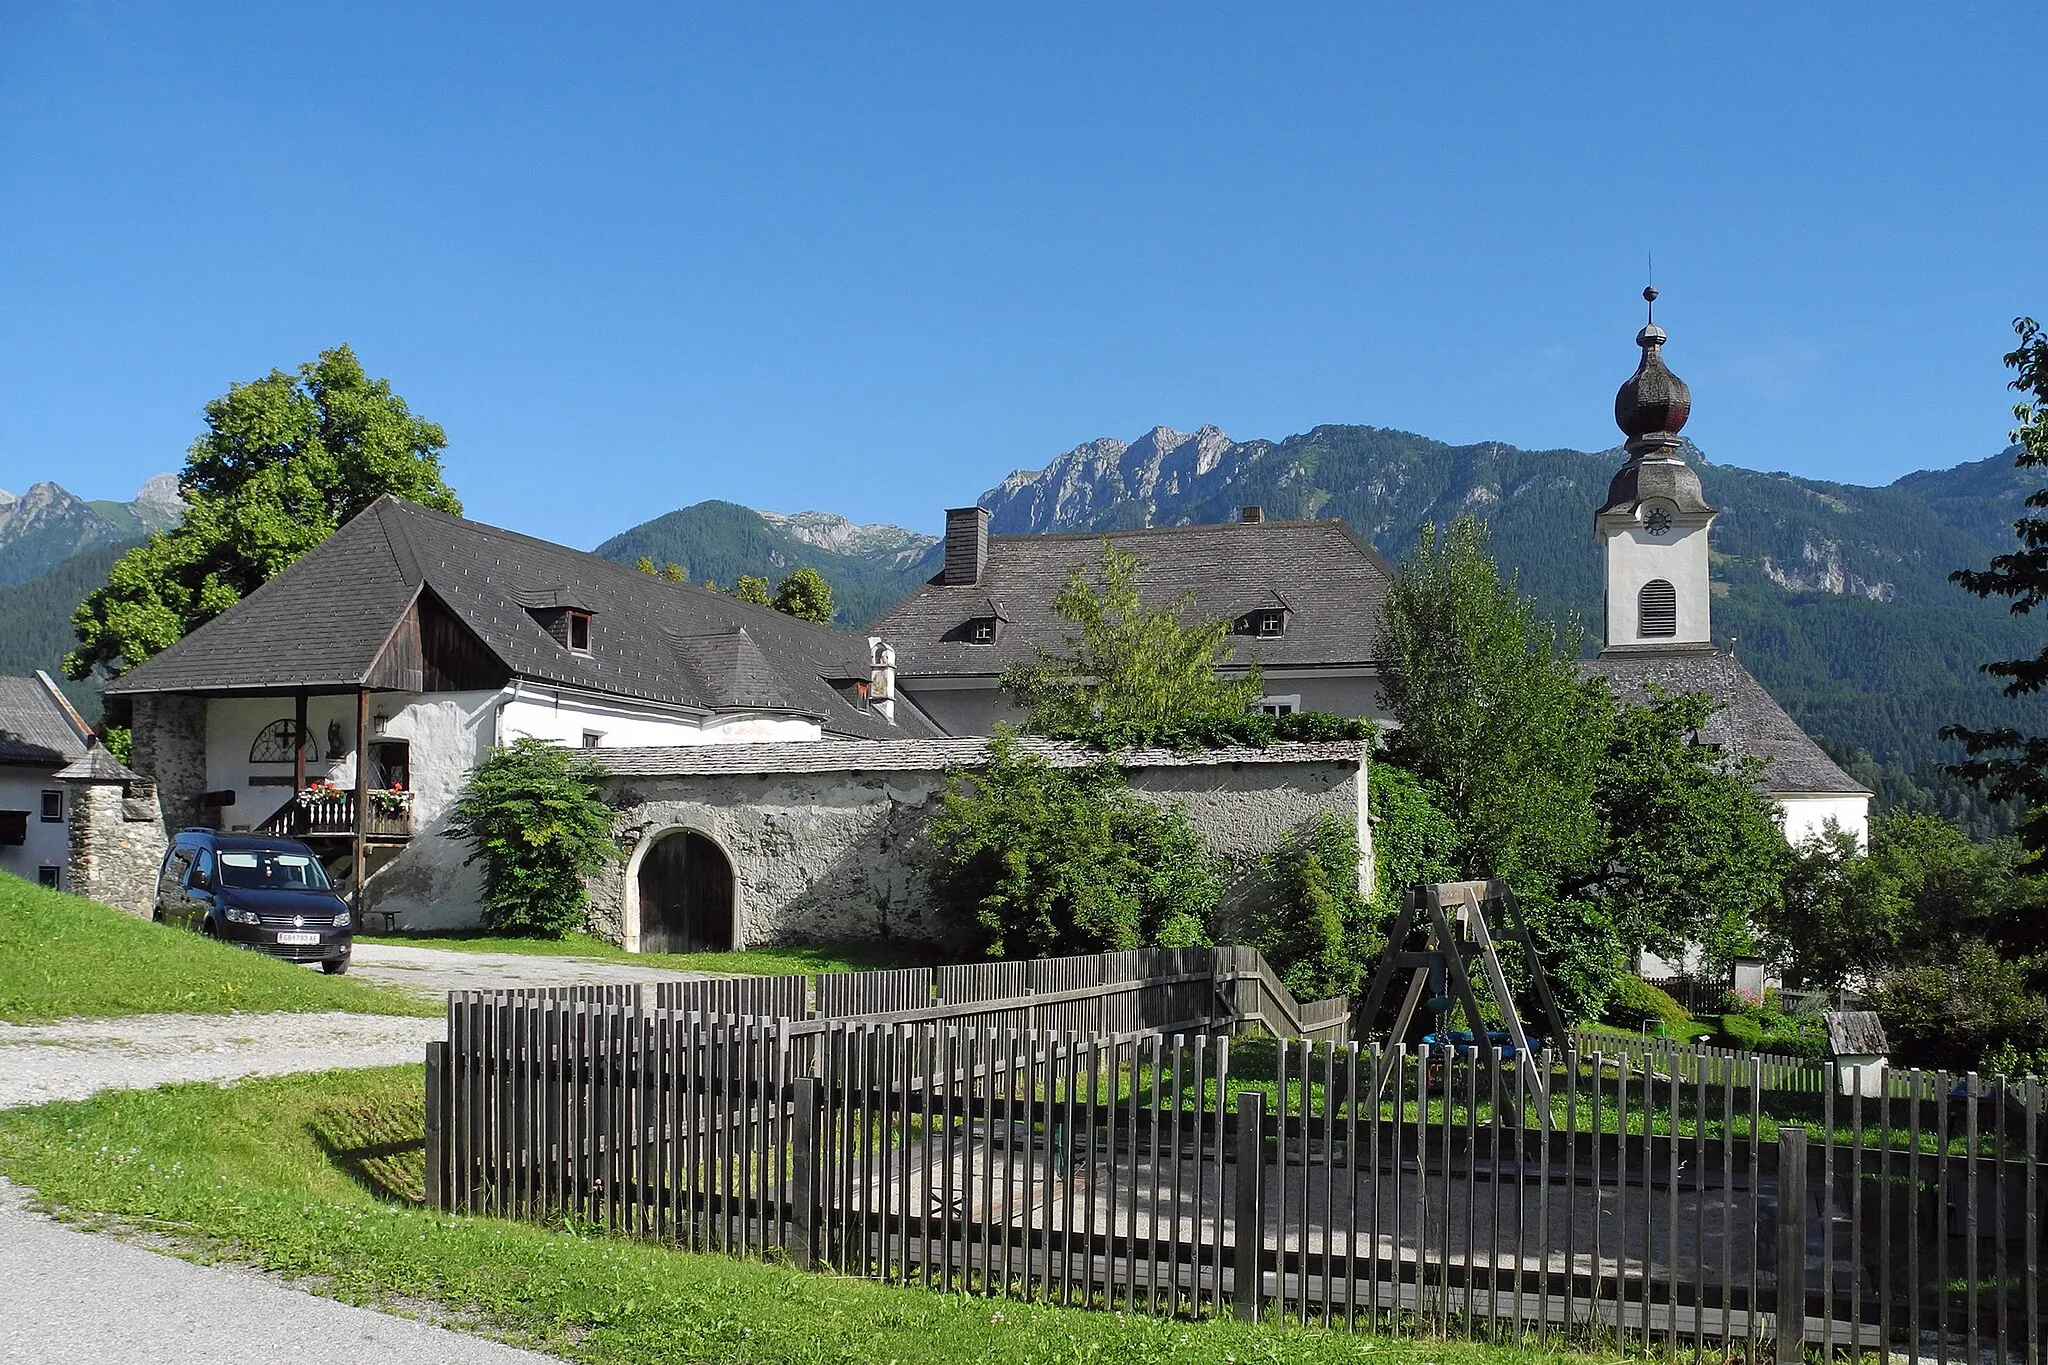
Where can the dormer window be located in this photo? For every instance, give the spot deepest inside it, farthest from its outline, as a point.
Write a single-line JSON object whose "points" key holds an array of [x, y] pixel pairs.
{"points": [[1267, 623], [578, 623], [982, 631], [563, 613]]}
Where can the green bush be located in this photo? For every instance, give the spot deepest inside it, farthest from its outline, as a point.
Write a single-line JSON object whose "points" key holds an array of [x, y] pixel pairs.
{"points": [[1739, 1031], [1955, 1015], [1318, 931], [1635, 1000], [1413, 840], [1047, 861], [1215, 730], [533, 814]]}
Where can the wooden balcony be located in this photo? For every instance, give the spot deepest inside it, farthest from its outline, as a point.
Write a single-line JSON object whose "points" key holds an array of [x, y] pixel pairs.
{"points": [[332, 815]]}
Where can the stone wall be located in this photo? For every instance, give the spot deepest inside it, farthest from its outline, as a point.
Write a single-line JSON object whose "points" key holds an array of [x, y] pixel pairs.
{"points": [[170, 750], [117, 845], [832, 855]]}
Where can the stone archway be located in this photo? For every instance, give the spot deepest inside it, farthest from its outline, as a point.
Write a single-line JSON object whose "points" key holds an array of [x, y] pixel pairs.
{"points": [[686, 901]]}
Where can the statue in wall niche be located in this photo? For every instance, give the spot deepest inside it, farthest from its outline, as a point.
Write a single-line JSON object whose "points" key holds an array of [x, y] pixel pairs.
{"points": [[335, 748]]}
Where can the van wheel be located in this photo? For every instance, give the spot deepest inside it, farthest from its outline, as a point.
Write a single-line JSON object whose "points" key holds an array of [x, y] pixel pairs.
{"points": [[337, 966]]}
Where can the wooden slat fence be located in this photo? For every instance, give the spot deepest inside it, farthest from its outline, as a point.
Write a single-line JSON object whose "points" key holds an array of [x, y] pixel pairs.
{"points": [[1443, 1192], [1193, 990]]}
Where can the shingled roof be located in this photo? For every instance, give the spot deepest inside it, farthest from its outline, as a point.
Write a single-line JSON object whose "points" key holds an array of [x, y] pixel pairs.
{"points": [[325, 622], [1748, 725], [1329, 580], [38, 728]]}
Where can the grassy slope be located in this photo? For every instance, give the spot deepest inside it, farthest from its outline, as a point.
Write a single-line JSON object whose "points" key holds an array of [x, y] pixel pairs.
{"points": [[838, 957], [295, 1175], [62, 956]]}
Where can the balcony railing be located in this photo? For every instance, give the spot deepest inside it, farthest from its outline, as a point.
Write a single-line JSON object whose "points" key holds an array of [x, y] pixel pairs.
{"points": [[332, 813]]}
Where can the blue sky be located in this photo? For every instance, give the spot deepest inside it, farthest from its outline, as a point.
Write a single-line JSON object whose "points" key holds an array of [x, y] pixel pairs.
{"points": [[808, 256]]}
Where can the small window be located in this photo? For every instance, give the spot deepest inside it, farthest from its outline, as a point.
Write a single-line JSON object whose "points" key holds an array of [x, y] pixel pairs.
{"points": [[1267, 623], [1657, 609], [47, 876], [593, 739], [53, 807], [982, 632], [579, 631], [1280, 706]]}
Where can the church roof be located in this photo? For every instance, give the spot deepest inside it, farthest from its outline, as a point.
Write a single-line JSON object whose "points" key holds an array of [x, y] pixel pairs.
{"points": [[1749, 724], [327, 622]]}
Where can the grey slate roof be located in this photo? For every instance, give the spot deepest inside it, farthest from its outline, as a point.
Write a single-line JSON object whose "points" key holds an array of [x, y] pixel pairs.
{"points": [[934, 755], [323, 622], [1332, 581], [1748, 725], [98, 766], [38, 728]]}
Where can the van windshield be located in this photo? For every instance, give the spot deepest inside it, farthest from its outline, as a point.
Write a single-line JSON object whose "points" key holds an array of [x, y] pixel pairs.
{"points": [[257, 870]]}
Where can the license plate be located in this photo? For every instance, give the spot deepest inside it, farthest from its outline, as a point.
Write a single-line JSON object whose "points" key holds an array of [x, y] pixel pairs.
{"points": [[298, 940]]}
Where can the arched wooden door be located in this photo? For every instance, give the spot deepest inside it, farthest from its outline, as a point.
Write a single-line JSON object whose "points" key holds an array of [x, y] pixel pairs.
{"points": [[685, 896]]}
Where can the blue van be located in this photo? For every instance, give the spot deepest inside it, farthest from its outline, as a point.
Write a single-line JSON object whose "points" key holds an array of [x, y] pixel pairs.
{"points": [[268, 894]]}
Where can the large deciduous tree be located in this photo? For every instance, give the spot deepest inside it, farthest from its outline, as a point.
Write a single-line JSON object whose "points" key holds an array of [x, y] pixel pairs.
{"points": [[1127, 663], [1615, 825], [2015, 765], [284, 462]]}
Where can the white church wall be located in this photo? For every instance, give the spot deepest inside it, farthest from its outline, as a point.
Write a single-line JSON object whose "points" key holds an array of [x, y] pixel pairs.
{"points": [[1806, 816], [566, 717]]}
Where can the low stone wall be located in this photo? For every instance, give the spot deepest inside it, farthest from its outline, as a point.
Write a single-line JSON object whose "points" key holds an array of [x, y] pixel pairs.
{"points": [[825, 837]]}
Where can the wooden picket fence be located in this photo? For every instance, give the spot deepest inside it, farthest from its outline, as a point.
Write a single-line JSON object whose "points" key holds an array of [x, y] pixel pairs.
{"points": [[1364, 1187]]}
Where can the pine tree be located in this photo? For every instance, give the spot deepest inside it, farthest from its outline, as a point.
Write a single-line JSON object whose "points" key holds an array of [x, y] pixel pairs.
{"points": [[2012, 764]]}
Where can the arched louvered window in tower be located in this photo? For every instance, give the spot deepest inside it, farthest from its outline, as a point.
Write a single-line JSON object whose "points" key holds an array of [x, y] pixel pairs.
{"points": [[1657, 609]]}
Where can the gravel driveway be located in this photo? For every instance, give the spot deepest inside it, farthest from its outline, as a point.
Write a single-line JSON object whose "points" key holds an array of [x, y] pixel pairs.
{"points": [[74, 1058], [433, 972], [68, 1296]]}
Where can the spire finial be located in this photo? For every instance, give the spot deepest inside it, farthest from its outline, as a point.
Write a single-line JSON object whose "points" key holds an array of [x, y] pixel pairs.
{"points": [[1650, 297], [1652, 406]]}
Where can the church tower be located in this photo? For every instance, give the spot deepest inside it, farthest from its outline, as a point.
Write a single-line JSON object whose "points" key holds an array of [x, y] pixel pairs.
{"points": [[1654, 524]]}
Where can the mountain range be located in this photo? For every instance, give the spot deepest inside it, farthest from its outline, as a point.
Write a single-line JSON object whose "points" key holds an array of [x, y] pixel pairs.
{"points": [[1835, 595], [45, 526]]}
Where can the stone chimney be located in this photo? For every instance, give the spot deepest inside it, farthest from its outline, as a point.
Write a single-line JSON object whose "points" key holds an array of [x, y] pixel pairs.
{"points": [[882, 678], [1252, 515], [966, 546]]}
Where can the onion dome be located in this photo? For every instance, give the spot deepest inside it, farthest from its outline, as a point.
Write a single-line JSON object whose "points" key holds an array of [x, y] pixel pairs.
{"points": [[1654, 403], [1651, 410]]}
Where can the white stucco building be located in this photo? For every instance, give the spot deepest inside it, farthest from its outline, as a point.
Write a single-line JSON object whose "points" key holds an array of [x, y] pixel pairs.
{"points": [[394, 656], [39, 735]]}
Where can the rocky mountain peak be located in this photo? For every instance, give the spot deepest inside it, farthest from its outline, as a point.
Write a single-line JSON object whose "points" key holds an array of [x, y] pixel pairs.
{"points": [[894, 545], [162, 492]]}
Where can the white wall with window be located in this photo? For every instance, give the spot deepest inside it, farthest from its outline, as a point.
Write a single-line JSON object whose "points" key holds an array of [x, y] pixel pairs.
{"points": [[35, 833]]}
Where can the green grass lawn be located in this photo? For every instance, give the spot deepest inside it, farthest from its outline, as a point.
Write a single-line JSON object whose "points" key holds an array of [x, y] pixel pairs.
{"points": [[64, 957], [318, 1176], [835, 957]]}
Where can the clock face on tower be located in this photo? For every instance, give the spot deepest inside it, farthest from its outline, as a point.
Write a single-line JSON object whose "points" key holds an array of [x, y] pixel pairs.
{"points": [[1657, 522]]}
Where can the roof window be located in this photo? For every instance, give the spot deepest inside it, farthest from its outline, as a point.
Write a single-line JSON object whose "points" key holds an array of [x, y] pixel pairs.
{"points": [[1268, 623], [981, 631]]}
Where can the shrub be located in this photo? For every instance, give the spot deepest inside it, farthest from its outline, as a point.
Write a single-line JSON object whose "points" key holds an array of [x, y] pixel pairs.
{"points": [[1413, 840], [1635, 1000], [534, 816], [1214, 730], [1739, 1031], [1955, 1015], [1046, 861], [1318, 931]]}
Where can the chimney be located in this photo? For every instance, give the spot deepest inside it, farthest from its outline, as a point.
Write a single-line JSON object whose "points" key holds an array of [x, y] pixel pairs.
{"points": [[882, 679], [1252, 515], [966, 545]]}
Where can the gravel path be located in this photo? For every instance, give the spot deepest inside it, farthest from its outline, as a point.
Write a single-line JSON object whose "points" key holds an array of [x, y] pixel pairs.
{"points": [[436, 971], [69, 1296], [74, 1058]]}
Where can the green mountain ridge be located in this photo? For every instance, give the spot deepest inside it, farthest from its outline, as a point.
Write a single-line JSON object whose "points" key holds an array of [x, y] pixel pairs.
{"points": [[718, 541], [47, 525]]}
